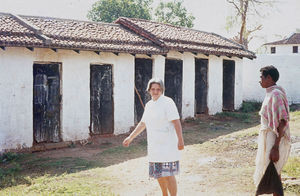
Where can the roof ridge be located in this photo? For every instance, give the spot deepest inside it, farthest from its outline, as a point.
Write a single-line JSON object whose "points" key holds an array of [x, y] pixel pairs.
{"points": [[38, 32], [205, 44], [5, 13], [57, 18], [140, 31], [284, 41], [289, 38], [69, 19], [167, 24], [190, 29], [236, 43]]}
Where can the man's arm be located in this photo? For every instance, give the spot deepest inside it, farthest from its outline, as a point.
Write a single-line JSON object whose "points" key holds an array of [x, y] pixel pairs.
{"points": [[274, 154]]}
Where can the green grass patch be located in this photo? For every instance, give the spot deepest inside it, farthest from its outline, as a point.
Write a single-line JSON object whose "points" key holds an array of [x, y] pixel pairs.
{"points": [[296, 113], [67, 162], [245, 117], [294, 107], [9, 174], [292, 167], [90, 182], [10, 168], [30, 175], [10, 156], [250, 106]]}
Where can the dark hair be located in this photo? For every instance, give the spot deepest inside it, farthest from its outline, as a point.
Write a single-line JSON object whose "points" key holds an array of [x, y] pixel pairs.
{"points": [[270, 70]]}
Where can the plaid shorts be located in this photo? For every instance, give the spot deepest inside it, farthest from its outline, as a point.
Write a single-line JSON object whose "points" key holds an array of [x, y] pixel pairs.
{"points": [[158, 170]]}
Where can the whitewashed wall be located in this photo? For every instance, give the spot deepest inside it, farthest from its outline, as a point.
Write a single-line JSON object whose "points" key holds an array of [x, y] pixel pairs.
{"points": [[288, 66], [124, 93], [188, 85], [158, 67], [238, 84], [215, 84], [16, 98], [16, 87], [283, 49]]}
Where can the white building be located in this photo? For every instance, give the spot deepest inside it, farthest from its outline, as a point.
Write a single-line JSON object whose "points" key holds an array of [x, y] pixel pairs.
{"points": [[285, 56], [67, 80]]}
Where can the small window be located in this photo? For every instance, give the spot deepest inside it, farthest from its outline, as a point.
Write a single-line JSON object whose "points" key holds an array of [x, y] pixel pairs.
{"points": [[273, 50], [295, 49]]}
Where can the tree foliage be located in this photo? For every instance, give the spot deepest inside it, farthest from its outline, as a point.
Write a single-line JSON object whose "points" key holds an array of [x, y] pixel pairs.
{"points": [[174, 13], [167, 12], [246, 11], [110, 10]]}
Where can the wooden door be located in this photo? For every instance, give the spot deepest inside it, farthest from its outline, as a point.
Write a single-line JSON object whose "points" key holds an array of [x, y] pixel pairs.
{"points": [[173, 81], [101, 99], [46, 103], [143, 73], [228, 85], [201, 68]]}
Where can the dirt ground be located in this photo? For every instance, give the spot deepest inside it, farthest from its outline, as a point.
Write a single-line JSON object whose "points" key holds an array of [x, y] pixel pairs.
{"points": [[218, 159]]}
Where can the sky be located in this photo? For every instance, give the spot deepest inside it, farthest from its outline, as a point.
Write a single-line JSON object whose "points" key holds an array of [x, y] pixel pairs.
{"points": [[283, 19]]}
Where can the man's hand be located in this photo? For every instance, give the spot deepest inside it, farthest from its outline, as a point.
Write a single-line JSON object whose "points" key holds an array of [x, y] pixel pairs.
{"points": [[274, 154]]}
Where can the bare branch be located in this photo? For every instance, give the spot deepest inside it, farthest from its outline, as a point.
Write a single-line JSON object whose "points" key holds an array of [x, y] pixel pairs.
{"points": [[246, 9], [236, 6], [257, 28]]}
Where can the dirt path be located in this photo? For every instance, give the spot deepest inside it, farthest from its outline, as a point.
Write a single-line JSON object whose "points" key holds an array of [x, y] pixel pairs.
{"points": [[225, 173], [218, 159], [201, 174]]}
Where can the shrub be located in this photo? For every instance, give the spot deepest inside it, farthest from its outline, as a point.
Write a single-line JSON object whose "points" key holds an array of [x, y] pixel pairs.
{"points": [[250, 106], [9, 156]]}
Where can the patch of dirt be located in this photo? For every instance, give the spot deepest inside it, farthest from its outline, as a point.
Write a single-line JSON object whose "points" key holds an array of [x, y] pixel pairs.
{"points": [[218, 159]]}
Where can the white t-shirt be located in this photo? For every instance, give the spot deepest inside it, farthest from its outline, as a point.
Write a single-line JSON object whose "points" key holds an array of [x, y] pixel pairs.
{"points": [[161, 134]]}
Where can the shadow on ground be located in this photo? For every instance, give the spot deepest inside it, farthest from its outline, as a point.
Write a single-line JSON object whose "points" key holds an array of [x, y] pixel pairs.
{"points": [[104, 152]]}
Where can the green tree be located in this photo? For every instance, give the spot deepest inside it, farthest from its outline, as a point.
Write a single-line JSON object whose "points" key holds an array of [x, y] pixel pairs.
{"points": [[174, 13], [110, 10], [246, 11]]}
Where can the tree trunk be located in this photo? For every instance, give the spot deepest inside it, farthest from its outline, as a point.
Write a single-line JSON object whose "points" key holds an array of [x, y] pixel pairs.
{"points": [[244, 9]]}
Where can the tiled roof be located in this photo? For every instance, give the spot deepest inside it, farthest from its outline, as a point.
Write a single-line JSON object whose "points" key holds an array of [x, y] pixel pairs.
{"points": [[185, 39], [125, 35], [293, 39], [73, 34]]}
